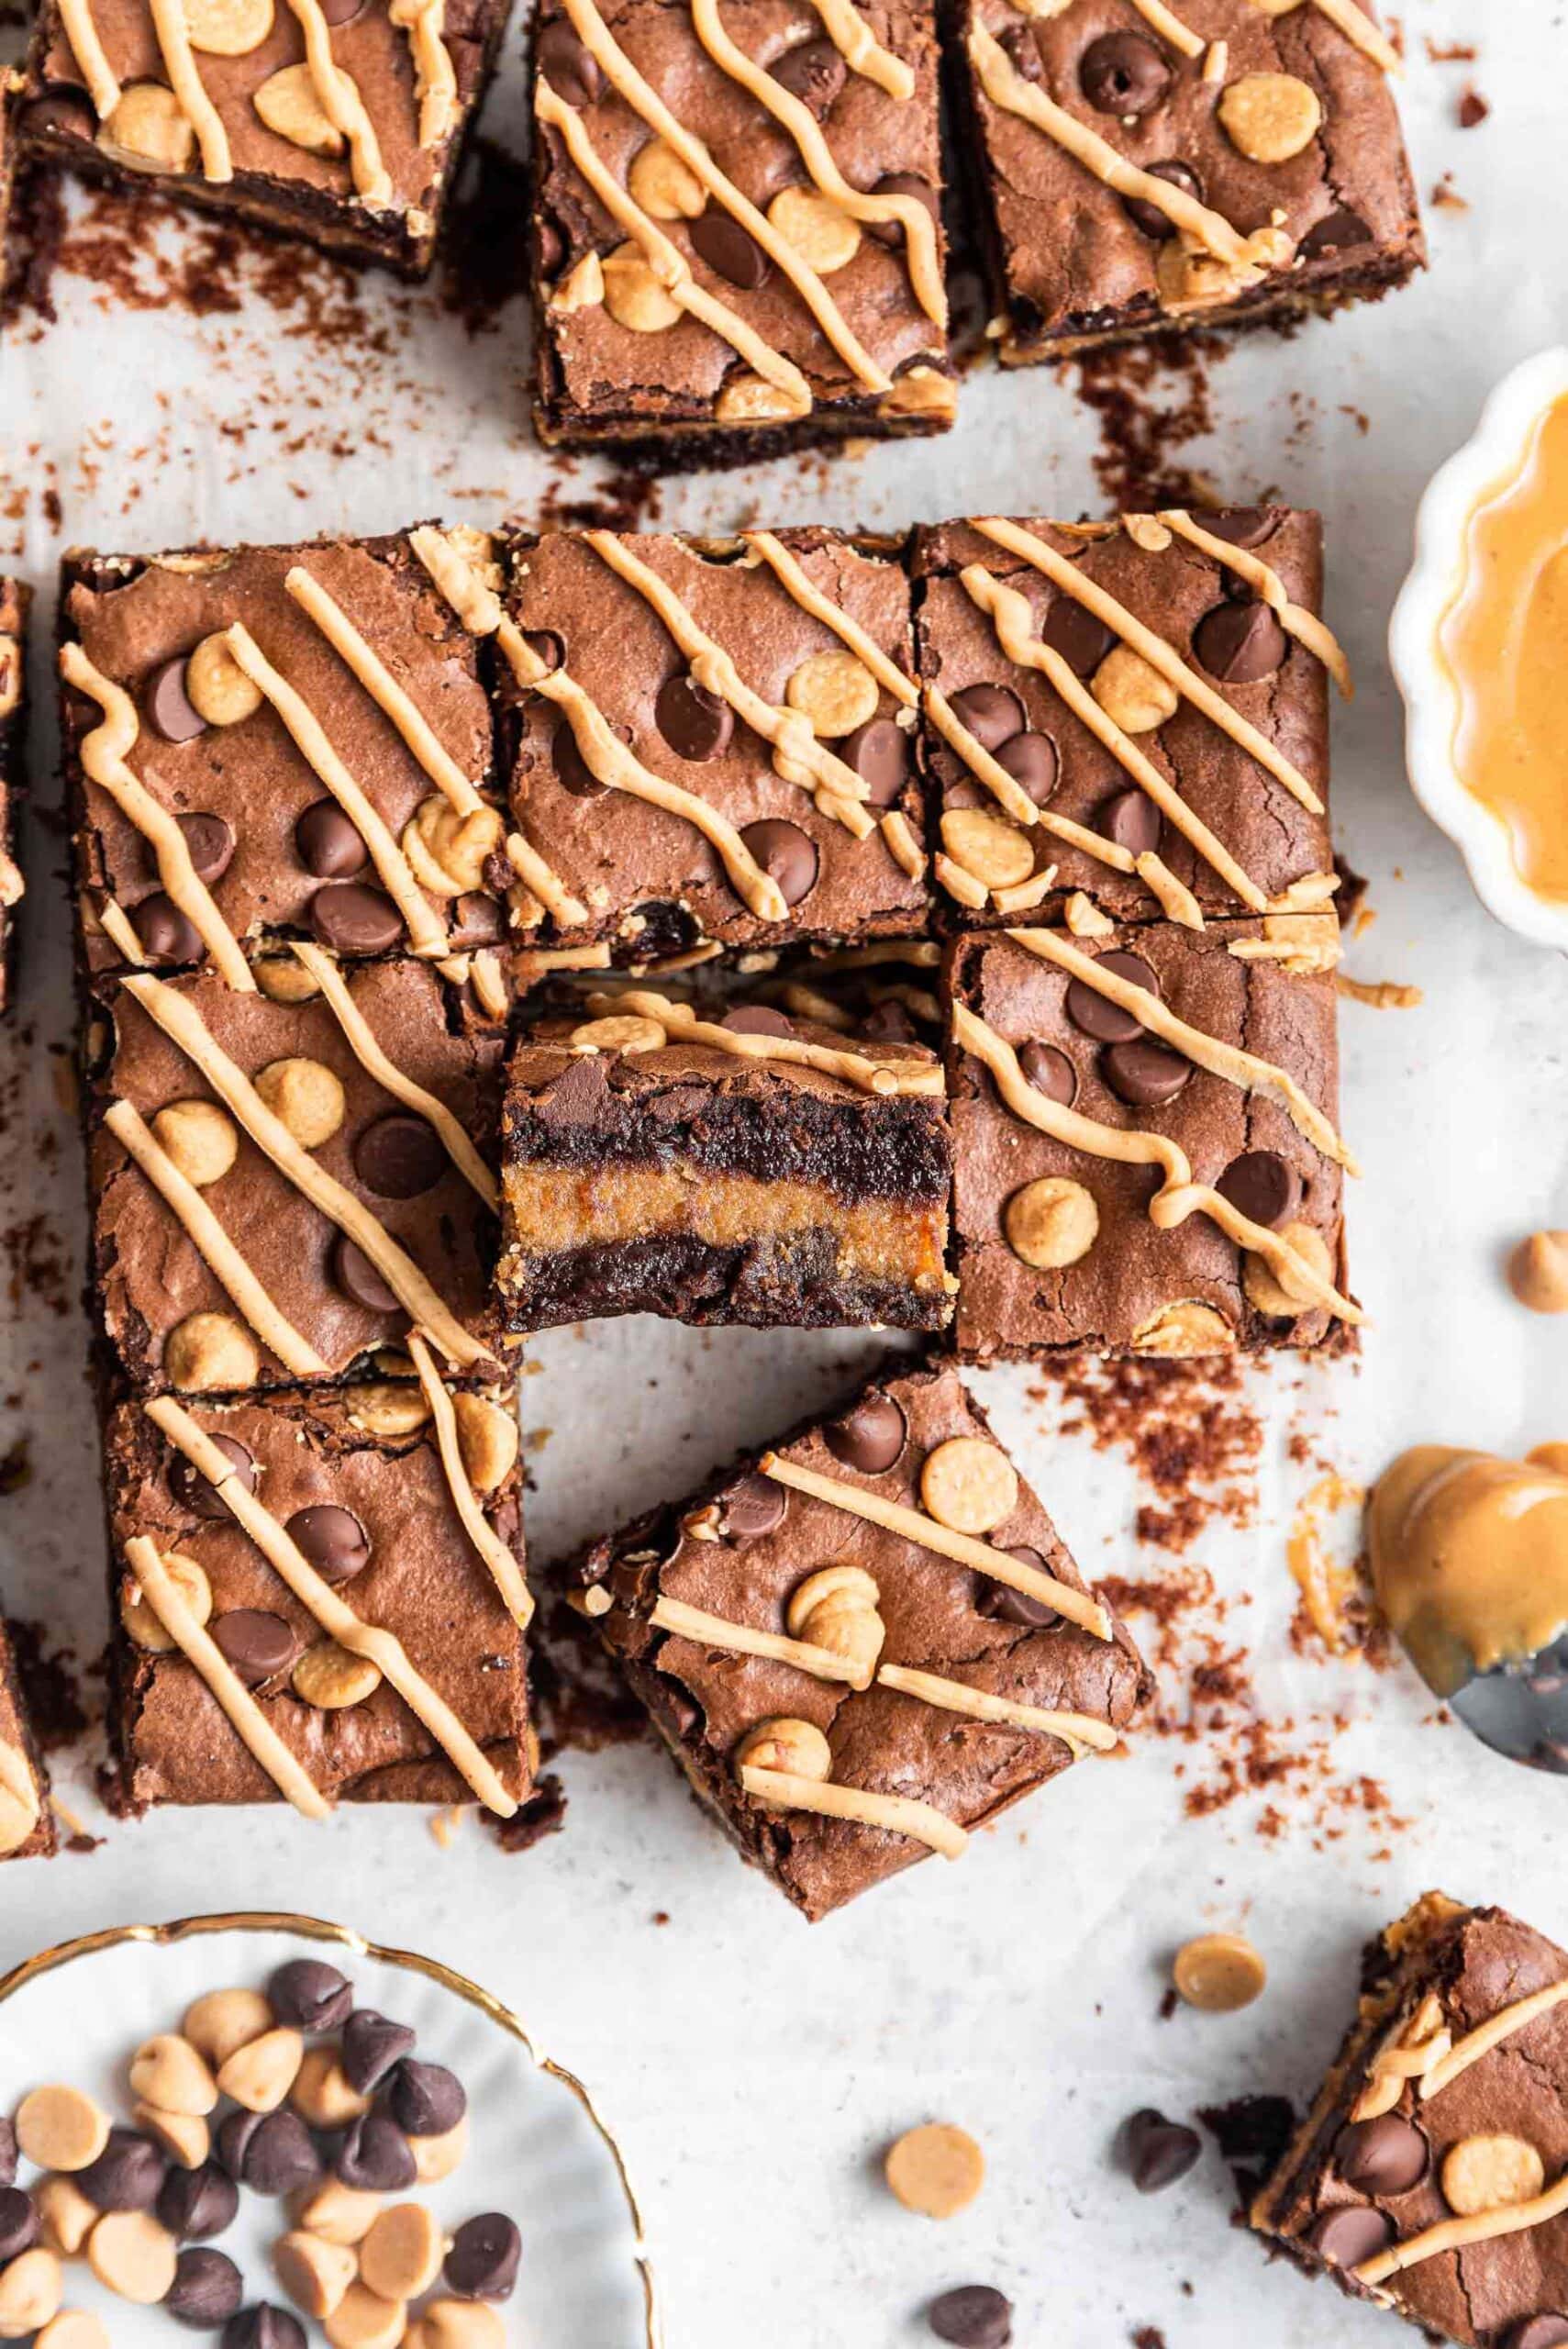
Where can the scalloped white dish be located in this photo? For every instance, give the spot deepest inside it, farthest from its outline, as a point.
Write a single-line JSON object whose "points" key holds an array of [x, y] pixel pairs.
{"points": [[1489, 462], [537, 2148]]}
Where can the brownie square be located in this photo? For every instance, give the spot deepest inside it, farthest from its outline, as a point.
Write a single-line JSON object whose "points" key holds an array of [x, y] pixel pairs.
{"points": [[719, 1166], [356, 1479], [27, 1822], [250, 132], [270, 840], [410, 1167], [647, 880], [1238, 835], [14, 602], [1272, 177], [1429, 2175], [803, 323], [1059, 1242], [764, 1561]]}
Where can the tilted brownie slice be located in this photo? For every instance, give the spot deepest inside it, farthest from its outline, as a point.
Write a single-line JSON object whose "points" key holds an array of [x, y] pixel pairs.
{"points": [[14, 602], [27, 1822], [1215, 162], [319, 1596], [866, 1642], [1431, 2173], [726, 1165], [1144, 1141]]}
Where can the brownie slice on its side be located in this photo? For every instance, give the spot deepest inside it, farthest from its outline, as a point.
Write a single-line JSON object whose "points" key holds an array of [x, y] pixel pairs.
{"points": [[27, 1822]]}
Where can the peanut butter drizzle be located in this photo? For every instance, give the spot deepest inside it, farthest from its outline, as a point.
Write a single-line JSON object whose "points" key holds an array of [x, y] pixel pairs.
{"points": [[919, 228], [545, 883], [1470, 1559], [502, 1567], [341, 101], [868, 1075], [427, 932], [645, 102], [384, 689], [250, 1724], [212, 1243], [1179, 1195], [1080, 1606], [115, 924], [1359, 28], [667, 261], [1067, 577], [174, 46], [1169, 26], [861, 50], [361, 1040], [1079, 1732], [435, 76], [335, 1618], [1379, 995], [1268, 586], [793, 577], [899, 1814], [902, 845], [103, 755], [684, 1623], [82, 33], [182, 1025], [1454, 2235], [606, 756]]}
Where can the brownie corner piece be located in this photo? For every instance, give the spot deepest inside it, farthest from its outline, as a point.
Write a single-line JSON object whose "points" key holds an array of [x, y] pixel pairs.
{"points": [[27, 1821], [865, 1643], [15, 603], [1271, 174], [737, 244]]}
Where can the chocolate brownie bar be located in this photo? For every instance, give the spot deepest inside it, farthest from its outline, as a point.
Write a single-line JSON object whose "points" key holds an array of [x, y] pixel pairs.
{"points": [[27, 1822], [739, 1165], [334, 120], [15, 601], [1431, 2174], [865, 1643], [281, 1187], [737, 241], [1139, 167], [1126, 720], [1144, 1147], [230, 1575], [277, 743]]}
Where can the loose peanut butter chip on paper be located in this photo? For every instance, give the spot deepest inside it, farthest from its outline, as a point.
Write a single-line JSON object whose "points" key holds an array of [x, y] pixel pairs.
{"points": [[1218, 1972], [937, 2169]]}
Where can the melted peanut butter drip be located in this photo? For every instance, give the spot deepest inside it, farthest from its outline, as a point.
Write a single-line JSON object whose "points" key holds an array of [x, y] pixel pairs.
{"points": [[341, 101], [868, 1075], [898, 1814], [384, 689], [435, 76], [684, 1623], [179, 63], [1268, 586], [861, 50], [1081, 1731], [545, 883], [504, 1569], [82, 33], [1470, 1559]]}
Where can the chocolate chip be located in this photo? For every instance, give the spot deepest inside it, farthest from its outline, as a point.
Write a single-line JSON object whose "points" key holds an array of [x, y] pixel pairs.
{"points": [[1146, 215], [1350, 2234], [572, 769], [427, 2100], [18, 2224], [888, 1023], [483, 2262], [814, 72], [1158, 2151], [166, 935], [194, 2203], [354, 919], [757, 1020], [400, 1156], [1095, 1014], [1388, 2156], [728, 251], [329, 846], [232, 2142], [993, 714], [1000, 1603], [1543, 2331], [307, 1994], [1262, 1186], [263, 2327], [1334, 233], [1132, 820], [355, 1277], [60, 110], [1144, 1073], [375, 2155], [1030, 759], [879, 753], [696, 724], [550, 250], [206, 2289], [576, 1096], [373, 2046], [279, 2154], [1240, 642], [343, 12], [750, 1508], [210, 843], [1023, 49], [192, 1489], [128, 2174], [1050, 1071], [891, 232], [1124, 74], [259, 1646], [338, 1548], [786, 855], [1240, 525], [971, 2315], [871, 1437], [571, 69], [8, 2151], [478, 921], [1074, 631], [170, 709]]}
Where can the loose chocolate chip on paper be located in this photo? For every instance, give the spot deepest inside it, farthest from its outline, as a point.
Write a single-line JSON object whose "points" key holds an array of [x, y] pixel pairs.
{"points": [[338, 1546], [1030, 759], [259, 1646], [427, 2100], [18, 2224], [1050, 1071], [196, 2203], [354, 919], [1240, 642], [1262, 1187], [879, 753], [972, 2316], [127, 2175], [571, 69], [1347, 2237], [376, 2156], [1082, 639], [372, 2045], [1000, 1603], [1095, 1014], [263, 2327], [786, 855], [483, 2262], [193, 1490], [210, 843], [1124, 74], [400, 1156], [697, 724], [206, 2290], [1387, 2155], [166, 935], [1132, 820], [1158, 2151], [1144, 1073], [870, 1438], [307, 1994], [329, 846], [355, 1277], [757, 1020], [813, 71], [1146, 215], [169, 710], [750, 1509], [728, 251], [993, 714]]}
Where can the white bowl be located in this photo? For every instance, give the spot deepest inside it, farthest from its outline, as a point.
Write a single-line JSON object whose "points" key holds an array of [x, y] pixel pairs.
{"points": [[1487, 462]]}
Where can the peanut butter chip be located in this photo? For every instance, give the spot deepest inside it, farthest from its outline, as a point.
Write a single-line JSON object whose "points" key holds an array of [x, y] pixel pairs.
{"points": [[65, 2215], [338, 2213], [73, 2329], [1218, 1972], [937, 2169], [986, 845], [488, 1440], [448, 847], [745, 398], [664, 184], [1052, 1223], [363, 2319], [288, 105], [148, 131], [215, 685], [322, 2094], [167, 2072], [920, 391], [283, 980], [1537, 1272], [390, 1407], [307, 1096], [31, 2289], [183, 2137], [141, 1625], [825, 238], [624, 1033], [1488, 2173], [228, 28], [1269, 117], [784, 1743], [259, 2076], [437, 2158], [206, 1351], [331, 1678], [1132, 693], [968, 1485], [835, 1608], [200, 1138], [129, 2252], [460, 2324], [314, 2274], [222, 2021], [402, 2255], [60, 2128], [633, 295], [834, 692], [1262, 1285], [1182, 1330]]}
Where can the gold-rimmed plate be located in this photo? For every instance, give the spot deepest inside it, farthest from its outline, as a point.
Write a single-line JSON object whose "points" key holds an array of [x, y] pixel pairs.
{"points": [[538, 2147]]}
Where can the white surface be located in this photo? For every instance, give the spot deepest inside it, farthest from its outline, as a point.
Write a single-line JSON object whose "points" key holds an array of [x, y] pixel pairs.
{"points": [[757, 2065]]}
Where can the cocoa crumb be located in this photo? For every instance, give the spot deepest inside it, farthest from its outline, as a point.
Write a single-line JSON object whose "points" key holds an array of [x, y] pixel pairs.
{"points": [[1185, 1430], [1450, 52], [1474, 109], [1446, 198], [1147, 2336], [1150, 399]]}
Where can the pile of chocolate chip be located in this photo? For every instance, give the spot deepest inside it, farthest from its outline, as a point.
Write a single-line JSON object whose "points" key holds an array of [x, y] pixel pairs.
{"points": [[336, 2126]]}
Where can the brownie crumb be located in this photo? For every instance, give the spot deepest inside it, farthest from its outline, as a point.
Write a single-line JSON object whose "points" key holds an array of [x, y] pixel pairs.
{"points": [[1185, 1429], [1252, 2132], [1474, 109], [1150, 399], [544, 1813]]}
